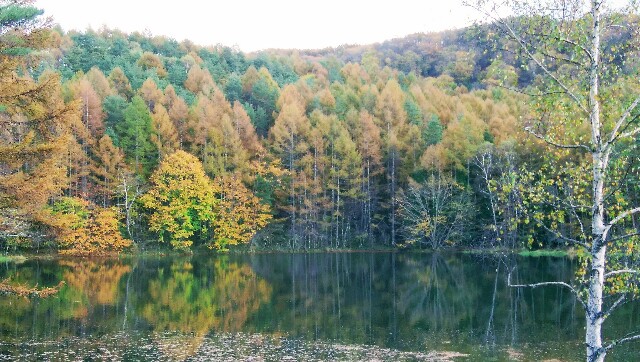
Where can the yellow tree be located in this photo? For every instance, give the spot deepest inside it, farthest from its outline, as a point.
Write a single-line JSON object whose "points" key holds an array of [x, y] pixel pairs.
{"points": [[85, 229], [370, 147], [85, 135], [149, 60], [345, 180], [246, 131], [217, 141], [109, 164], [240, 214], [181, 200], [164, 135], [99, 83]]}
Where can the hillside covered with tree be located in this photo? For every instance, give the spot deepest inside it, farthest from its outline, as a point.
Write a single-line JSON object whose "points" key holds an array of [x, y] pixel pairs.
{"points": [[110, 140]]}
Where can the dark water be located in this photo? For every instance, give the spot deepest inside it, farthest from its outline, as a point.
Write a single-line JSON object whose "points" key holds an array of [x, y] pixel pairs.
{"points": [[335, 306]]}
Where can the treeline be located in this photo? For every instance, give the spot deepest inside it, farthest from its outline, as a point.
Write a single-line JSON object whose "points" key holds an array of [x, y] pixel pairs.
{"points": [[113, 139], [475, 56]]}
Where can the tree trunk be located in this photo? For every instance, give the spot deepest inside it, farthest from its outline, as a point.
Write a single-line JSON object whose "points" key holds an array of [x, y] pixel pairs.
{"points": [[593, 313], [393, 197], [593, 339]]}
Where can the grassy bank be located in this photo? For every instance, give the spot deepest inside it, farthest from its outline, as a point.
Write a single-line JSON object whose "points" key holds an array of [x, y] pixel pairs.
{"points": [[12, 259]]}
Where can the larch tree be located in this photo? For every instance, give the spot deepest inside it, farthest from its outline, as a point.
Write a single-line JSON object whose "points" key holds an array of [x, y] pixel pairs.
{"points": [[92, 112], [149, 60], [85, 134], [393, 121], [370, 147], [234, 156], [165, 135], [120, 83], [288, 138], [315, 167], [34, 122], [200, 81], [346, 174], [151, 94], [178, 113], [585, 82], [246, 131], [261, 93], [99, 83], [109, 164], [240, 214]]}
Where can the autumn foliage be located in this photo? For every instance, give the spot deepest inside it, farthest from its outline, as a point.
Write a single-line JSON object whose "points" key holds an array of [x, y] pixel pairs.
{"points": [[85, 229], [181, 200], [185, 205], [173, 143]]}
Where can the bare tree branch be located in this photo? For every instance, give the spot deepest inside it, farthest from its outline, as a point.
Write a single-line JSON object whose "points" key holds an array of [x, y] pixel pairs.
{"points": [[546, 284], [578, 218], [621, 121], [565, 238], [521, 43], [622, 340], [555, 144], [523, 92], [622, 216], [544, 68], [622, 237], [630, 133], [615, 305], [571, 42], [622, 271], [556, 57]]}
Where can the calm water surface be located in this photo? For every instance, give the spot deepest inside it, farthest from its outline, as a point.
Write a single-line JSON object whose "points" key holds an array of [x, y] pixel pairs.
{"points": [[334, 306]]}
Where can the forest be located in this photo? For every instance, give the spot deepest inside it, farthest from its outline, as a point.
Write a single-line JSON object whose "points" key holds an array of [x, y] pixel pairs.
{"points": [[111, 141]]}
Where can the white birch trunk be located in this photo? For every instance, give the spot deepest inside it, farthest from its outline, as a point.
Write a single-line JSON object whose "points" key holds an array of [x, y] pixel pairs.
{"points": [[593, 313]]}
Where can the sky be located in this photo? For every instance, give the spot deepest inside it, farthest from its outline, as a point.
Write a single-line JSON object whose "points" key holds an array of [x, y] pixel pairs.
{"points": [[255, 25]]}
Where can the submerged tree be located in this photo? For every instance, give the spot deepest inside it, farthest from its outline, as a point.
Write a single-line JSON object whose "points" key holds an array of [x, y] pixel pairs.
{"points": [[586, 108]]}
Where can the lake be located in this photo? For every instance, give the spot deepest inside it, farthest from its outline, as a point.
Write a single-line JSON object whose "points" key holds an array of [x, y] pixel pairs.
{"points": [[320, 306]]}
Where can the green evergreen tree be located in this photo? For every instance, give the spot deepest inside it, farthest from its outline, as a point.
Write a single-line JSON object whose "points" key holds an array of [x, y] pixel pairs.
{"points": [[433, 132], [134, 134]]}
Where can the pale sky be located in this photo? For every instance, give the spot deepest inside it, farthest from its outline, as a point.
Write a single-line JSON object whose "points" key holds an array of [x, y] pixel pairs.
{"points": [[253, 24]]}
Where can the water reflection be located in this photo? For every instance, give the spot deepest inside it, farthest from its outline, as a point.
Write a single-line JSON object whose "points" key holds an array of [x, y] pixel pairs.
{"points": [[414, 302], [197, 297]]}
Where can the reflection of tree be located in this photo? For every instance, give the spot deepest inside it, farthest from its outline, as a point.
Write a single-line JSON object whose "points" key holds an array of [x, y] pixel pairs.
{"points": [[20, 316], [178, 301], [436, 292], [223, 298], [98, 281], [435, 301], [192, 298]]}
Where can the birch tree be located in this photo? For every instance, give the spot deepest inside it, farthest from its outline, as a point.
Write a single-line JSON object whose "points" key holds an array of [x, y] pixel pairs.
{"points": [[585, 102]]}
